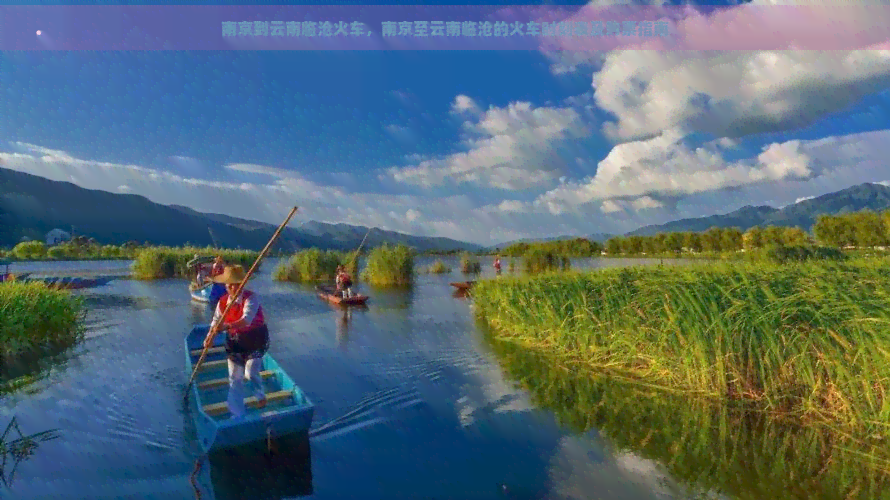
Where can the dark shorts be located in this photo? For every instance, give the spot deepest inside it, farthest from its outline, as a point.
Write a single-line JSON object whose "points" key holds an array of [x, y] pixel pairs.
{"points": [[250, 344]]}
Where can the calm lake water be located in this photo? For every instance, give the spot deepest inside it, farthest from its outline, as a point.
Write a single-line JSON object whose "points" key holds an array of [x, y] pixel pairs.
{"points": [[412, 401]]}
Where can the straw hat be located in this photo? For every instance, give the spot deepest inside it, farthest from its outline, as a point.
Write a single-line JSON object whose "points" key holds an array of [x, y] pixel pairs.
{"points": [[231, 275]]}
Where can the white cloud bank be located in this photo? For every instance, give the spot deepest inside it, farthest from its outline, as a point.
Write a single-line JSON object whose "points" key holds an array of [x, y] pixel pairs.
{"points": [[640, 183], [511, 148]]}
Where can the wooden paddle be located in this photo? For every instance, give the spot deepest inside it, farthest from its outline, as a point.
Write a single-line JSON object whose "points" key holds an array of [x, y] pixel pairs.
{"points": [[215, 330]]}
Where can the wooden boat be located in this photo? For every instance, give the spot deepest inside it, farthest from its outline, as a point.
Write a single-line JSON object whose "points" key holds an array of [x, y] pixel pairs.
{"points": [[288, 410], [70, 282], [208, 294], [7, 276], [81, 283], [330, 294], [464, 285]]}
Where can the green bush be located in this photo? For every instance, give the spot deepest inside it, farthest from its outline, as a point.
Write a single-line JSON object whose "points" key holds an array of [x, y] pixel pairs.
{"points": [[390, 266], [538, 260], [166, 262], [314, 265], [29, 250], [34, 317], [438, 267], [469, 264]]}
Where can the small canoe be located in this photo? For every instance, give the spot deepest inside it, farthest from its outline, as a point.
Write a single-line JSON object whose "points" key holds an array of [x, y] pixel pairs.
{"points": [[288, 411], [464, 285], [71, 282], [329, 294], [209, 294], [10, 277]]}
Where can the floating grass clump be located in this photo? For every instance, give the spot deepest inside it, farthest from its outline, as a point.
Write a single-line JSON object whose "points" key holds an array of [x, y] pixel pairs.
{"points": [[166, 262], [806, 340], [438, 267], [390, 266], [469, 264], [314, 265], [539, 260], [702, 446], [33, 317]]}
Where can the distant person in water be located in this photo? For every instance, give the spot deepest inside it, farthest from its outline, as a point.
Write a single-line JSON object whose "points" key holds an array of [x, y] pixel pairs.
{"points": [[247, 339], [497, 264], [344, 283]]}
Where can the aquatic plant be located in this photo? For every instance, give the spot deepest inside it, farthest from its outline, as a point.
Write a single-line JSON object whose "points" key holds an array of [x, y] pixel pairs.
{"points": [[313, 265], [167, 262], [390, 266], [33, 317], [706, 448], [469, 264], [539, 260], [15, 450], [438, 267], [805, 340]]}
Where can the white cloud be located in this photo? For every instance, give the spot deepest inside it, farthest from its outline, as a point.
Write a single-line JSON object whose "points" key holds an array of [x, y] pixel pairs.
{"points": [[464, 104], [516, 149], [803, 198], [732, 94], [669, 166]]}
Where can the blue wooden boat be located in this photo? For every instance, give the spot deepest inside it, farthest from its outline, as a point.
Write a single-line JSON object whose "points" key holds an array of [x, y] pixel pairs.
{"points": [[209, 294], [287, 411]]}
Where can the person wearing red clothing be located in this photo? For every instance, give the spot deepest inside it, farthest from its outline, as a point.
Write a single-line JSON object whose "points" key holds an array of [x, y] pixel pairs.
{"points": [[247, 339]]}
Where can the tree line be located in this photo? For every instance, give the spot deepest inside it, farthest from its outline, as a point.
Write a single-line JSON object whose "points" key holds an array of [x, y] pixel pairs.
{"points": [[864, 229]]}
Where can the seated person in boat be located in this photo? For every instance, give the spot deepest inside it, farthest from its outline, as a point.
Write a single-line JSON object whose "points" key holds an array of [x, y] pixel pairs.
{"points": [[247, 339], [344, 283], [218, 266]]}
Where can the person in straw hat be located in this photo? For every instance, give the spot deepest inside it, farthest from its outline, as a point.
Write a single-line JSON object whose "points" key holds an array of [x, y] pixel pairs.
{"points": [[247, 339]]}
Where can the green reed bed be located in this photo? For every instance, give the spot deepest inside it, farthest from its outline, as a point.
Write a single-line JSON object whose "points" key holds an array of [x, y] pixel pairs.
{"points": [[167, 262], [469, 264], [314, 265], [805, 340], [705, 447], [438, 267], [539, 260], [33, 317], [390, 266]]}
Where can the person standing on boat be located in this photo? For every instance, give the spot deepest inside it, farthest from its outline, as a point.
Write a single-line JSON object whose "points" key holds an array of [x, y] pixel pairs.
{"points": [[344, 282], [247, 339]]}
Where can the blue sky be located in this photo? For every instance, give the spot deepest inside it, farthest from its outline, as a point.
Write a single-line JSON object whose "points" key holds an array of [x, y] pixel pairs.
{"points": [[473, 145]]}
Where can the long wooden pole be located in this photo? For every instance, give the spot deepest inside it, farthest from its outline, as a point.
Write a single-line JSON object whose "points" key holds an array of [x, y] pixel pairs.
{"points": [[360, 247], [215, 330]]}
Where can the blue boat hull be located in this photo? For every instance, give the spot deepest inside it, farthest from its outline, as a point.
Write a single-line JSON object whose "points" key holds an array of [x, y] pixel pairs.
{"points": [[291, 415], [209, 295]]}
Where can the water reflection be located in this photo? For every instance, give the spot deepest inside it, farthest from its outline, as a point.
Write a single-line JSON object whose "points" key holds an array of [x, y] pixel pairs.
{"points": [[343, 328], [707, 450], [258, 472]]}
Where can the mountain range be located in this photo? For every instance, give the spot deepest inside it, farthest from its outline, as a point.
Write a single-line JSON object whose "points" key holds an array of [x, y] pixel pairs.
{"points": [[802, 214], [31, 206]]}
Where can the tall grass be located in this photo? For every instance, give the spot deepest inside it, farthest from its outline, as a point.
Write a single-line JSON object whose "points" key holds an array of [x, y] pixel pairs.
{"points": [[315, 265], [538, 260], [438, 267], [705, 447], [33, 317], [166, 262], [469, 264], [390, 266], [806, 340]]}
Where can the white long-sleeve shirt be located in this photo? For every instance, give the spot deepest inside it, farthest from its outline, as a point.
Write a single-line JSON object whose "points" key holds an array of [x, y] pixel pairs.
{"points": [[251, 307]]}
